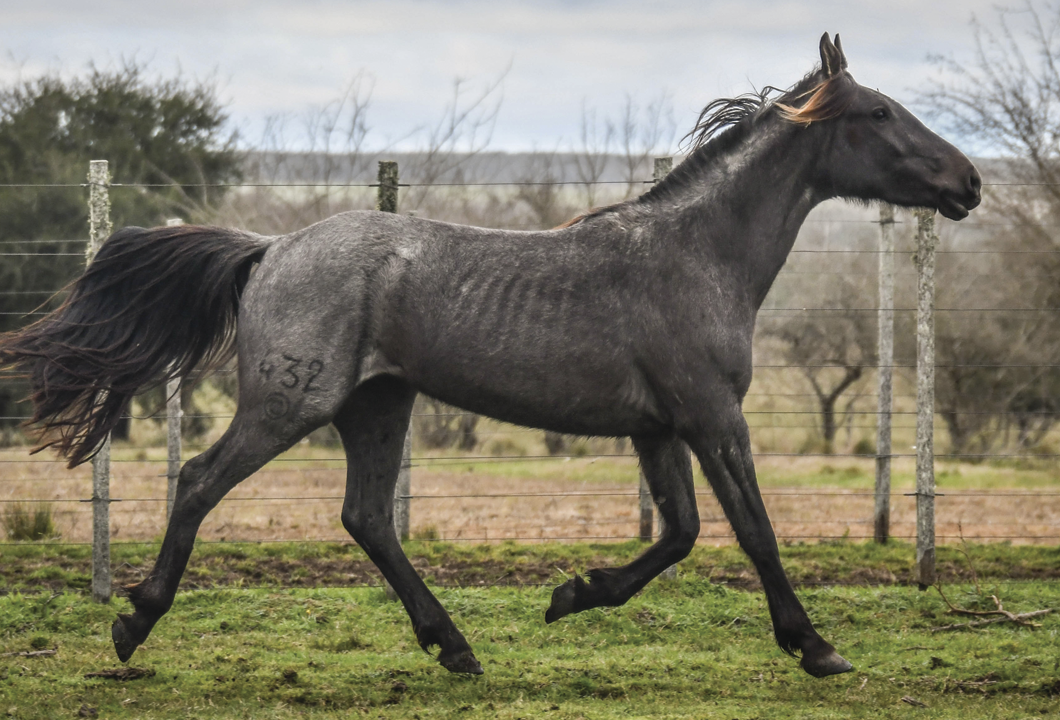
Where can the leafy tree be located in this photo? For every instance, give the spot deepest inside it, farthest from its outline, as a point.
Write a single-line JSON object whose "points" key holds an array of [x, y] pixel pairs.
{"points": [[166, 140]]}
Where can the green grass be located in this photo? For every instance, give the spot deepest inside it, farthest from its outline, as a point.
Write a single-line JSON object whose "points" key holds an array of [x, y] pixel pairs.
{"points": [[682, 649]]}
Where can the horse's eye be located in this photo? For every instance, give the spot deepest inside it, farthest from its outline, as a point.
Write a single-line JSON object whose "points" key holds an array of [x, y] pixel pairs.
{"points": [[880, 114]]}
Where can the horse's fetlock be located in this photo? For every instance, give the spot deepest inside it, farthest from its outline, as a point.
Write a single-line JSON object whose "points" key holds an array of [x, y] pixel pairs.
{"points": [[798, 641], [596, 578], [146, 601], [437, 635], [599, 591]]}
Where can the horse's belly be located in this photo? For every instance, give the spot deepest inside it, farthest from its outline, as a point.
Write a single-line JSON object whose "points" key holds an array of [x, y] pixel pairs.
{"points": [[563, 395]]}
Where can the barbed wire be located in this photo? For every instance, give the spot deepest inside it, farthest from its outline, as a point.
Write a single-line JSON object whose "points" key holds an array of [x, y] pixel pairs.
{"points": [[796, 251], [489, 459], [706, 493], [16, 375], [427, 461], [794, 311]]}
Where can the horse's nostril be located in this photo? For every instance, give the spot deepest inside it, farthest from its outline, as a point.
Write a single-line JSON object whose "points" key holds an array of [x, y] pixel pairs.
{"points": [[975, 182]]}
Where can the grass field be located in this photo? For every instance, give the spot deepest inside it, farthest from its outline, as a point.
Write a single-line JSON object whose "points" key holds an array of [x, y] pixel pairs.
{"points": [[301, 629], [693, 647]]}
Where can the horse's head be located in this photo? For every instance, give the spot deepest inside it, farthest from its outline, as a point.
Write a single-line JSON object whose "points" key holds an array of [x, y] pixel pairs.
{"points": [[873, 148]]}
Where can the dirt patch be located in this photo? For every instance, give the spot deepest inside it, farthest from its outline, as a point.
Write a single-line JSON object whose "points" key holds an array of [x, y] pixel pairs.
{"points": [[233, 570], [323, 572], [122, 673]]}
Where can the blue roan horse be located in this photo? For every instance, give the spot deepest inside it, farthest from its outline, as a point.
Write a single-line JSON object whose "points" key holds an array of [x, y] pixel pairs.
{"points": [[635, 320]]}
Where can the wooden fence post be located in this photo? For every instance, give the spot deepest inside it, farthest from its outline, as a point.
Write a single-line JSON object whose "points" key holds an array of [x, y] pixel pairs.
{"points": [[647, 510], [663, 166], [387, 201], [927, 240], [174, 444], [174, 440], [99, 228], [885, 375]]}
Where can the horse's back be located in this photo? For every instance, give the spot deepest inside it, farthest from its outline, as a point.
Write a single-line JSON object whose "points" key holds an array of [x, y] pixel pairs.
{"points": [[531, 327]]}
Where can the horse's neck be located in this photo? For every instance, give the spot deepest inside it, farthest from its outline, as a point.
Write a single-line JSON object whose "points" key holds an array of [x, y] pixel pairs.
{"points": [[748, 204]]}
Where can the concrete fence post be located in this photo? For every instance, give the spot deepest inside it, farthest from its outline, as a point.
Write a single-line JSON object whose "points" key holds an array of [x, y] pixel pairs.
{"points": [[885, 376], [662, 168], [647, 510], [174, 442], [99, 229], [174, 439], [387, 201], [927, 241]]}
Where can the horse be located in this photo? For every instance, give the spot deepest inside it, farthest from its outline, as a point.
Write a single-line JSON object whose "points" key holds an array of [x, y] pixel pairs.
{"points": [[633, 320]]}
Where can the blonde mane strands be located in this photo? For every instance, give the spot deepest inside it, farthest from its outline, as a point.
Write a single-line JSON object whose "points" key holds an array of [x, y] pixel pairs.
{"points": [[827, 100]]}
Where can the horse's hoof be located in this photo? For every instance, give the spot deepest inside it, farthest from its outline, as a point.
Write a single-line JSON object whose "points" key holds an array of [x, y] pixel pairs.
{"points": [[563, 599], [831, 663], [124, 644], [461, 662]]}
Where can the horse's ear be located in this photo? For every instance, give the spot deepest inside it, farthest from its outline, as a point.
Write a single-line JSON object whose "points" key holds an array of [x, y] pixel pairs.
{"points": [[842, 55], [832, 60]]}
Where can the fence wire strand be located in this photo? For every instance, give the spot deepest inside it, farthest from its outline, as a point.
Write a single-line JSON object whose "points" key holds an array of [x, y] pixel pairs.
{"points": [[15, 248]]}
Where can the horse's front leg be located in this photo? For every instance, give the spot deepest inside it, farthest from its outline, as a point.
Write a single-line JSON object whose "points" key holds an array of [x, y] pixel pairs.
{"points": [[723, 447], [668, 469]]}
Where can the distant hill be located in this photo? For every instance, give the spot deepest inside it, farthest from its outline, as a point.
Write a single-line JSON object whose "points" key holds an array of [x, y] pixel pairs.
{"points": [[486, 167]]}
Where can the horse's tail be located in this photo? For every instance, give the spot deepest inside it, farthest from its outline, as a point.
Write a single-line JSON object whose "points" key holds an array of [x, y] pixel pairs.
{"points": [[152, 305]]}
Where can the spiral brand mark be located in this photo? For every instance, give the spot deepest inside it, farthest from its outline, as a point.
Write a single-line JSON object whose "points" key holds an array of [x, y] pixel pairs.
{"points": [[276, 405]]}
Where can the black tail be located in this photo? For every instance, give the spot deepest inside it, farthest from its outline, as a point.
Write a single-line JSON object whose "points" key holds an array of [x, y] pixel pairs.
{"points": [[152, 305]]}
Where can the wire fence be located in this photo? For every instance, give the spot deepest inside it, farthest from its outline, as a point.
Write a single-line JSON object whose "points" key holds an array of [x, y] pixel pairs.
{"points": [[511, 488]]}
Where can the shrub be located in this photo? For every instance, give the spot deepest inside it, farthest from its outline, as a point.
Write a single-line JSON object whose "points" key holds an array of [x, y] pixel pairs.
{"points": [[426, 532], [25, 523], [864, 446]]}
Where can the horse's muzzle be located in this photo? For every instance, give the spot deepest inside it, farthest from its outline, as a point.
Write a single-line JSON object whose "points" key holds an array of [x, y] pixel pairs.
{"points": [[956, 205]]}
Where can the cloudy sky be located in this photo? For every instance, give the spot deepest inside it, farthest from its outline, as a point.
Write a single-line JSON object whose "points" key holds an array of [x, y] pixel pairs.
{"points": [[552, 58]]}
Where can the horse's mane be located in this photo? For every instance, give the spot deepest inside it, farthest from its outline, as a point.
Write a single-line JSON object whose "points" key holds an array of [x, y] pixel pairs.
{"points": [[726, 122], [810, 100]]}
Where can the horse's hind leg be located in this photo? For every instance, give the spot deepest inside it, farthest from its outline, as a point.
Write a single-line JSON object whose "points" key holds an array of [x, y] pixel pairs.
{"points": [[667, 467], [372, 424], [204, 481]]}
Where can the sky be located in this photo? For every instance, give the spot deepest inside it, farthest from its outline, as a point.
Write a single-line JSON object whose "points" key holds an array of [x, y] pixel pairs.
{"points": [[551, 61]]}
